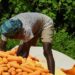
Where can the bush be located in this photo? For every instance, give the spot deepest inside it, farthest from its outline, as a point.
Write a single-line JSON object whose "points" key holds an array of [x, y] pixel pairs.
{"points": [[64, 43], [11, 43]]}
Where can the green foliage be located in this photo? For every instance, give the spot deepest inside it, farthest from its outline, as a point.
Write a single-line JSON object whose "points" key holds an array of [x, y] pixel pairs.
{"points": [[12, 43], [64, 43], [65, 8]]}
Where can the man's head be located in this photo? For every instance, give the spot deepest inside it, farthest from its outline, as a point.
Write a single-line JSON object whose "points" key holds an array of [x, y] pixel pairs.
{"points": [[10, 27]]}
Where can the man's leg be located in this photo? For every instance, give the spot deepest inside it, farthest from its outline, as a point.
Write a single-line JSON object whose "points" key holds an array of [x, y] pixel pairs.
{"points": [[47, 37], [49, 57]]}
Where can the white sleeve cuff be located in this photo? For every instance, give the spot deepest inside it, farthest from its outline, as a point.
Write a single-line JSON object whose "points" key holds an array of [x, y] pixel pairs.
{"points": [[3, 38]]}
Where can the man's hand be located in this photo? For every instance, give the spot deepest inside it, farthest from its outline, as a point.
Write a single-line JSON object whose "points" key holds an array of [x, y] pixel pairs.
{"points": [[23, 50], [49, 57], [2, 45]]}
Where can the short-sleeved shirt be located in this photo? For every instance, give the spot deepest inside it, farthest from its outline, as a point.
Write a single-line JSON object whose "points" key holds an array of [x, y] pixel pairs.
{"points": [[32, 23]]}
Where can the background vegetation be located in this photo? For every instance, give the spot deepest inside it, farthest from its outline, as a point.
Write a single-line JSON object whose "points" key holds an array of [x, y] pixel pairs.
{"points": [[61, 11]]}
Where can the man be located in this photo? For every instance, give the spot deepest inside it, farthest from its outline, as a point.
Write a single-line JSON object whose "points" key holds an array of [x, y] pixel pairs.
{"points": [[28, 27]]}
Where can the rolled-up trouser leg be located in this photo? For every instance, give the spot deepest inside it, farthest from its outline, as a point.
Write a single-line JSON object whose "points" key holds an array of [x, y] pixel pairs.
{"points": [[47, 34]]}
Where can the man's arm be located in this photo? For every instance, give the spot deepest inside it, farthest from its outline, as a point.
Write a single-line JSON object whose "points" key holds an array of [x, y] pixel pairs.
{"points": [[49, 56], [23, 50], [2, 45], [3, 42]]}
